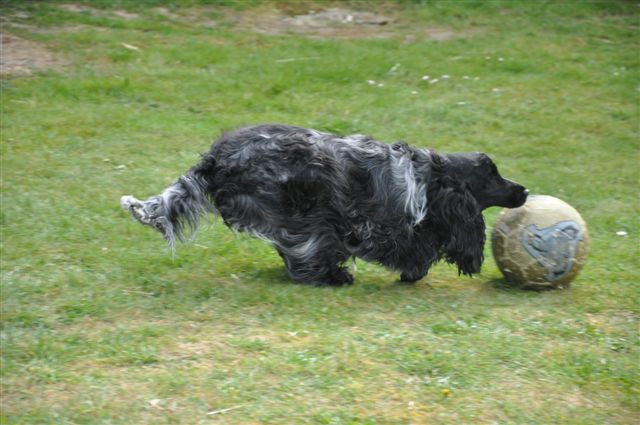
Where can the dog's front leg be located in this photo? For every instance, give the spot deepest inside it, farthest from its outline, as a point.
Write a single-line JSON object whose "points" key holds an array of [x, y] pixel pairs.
{"points": [[416, 267], [411, 277], [415, 272]]}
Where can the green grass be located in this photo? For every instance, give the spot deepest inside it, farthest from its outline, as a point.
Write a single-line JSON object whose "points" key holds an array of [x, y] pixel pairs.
{"points": [[100, 325]]}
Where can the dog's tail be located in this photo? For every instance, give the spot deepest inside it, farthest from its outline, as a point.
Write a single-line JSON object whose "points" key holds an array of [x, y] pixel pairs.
{"points": [[177, 211]]}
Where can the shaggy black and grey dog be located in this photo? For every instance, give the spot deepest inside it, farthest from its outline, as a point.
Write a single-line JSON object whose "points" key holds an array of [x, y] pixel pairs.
{"points": [[322, 198]]}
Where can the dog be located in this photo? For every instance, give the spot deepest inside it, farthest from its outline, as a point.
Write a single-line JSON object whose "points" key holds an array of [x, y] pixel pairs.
{"points": [[321, 199]]}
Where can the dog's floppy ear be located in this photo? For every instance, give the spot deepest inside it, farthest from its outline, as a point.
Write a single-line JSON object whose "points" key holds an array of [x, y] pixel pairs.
{"points": [[461, 217]]}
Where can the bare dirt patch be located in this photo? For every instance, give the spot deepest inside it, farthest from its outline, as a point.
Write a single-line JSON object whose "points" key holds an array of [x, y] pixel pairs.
{"points": [[336, 22], [21, 57], [187, 16], [329, 23], [310, 19], [335, 17], [117, 13]]}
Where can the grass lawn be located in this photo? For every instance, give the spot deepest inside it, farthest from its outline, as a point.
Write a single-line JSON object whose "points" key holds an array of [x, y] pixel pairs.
{"points": [[101, 325]]}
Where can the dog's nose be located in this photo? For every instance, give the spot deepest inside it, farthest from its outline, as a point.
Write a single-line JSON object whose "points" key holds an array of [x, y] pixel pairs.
{"points": [[526, 192]]}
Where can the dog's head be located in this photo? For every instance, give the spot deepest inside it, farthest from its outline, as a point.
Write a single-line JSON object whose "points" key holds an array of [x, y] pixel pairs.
{"points": [[466, 184], [477, 173]]}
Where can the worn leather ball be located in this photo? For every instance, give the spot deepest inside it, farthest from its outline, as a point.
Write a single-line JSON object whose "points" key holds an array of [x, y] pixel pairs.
{"points": [[540, 245]]}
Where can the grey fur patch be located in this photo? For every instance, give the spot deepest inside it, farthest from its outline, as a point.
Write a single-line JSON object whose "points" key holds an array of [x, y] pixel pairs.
{"points": [[175, 211]]}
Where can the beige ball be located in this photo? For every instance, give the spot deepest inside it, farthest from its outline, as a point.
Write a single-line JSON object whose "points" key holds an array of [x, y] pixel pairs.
{"points": [[541, 245]]}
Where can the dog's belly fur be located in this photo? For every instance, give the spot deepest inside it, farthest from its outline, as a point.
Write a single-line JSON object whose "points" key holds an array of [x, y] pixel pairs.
{"points": [[320, 199]]}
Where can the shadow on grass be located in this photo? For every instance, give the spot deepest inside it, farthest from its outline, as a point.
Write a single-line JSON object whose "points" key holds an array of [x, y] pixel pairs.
{"points": [[277, 275], [272, 275], [503, 285]]}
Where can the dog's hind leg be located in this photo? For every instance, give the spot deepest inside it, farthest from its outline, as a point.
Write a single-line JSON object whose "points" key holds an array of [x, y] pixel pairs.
{"points": [[317, 261]]}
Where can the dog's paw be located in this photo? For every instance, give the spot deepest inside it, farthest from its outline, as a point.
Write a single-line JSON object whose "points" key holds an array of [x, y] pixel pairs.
{"points": [[339, 277], [409, 277]]}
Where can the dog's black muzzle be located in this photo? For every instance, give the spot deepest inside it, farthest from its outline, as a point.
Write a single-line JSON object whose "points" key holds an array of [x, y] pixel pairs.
{"points": [[508, 194], [517, 195]]}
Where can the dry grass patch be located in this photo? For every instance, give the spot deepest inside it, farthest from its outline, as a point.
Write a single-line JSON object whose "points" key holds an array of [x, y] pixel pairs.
{"points": [[337, 22], [23, 57], [111, 13]]}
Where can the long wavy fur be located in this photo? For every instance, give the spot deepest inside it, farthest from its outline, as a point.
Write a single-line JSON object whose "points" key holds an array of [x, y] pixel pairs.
{"points": [[455, 209], [321, 199]]}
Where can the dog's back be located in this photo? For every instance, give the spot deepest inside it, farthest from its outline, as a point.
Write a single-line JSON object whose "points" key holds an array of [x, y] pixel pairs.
{"points": [[301, 169], [268, 178]]}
